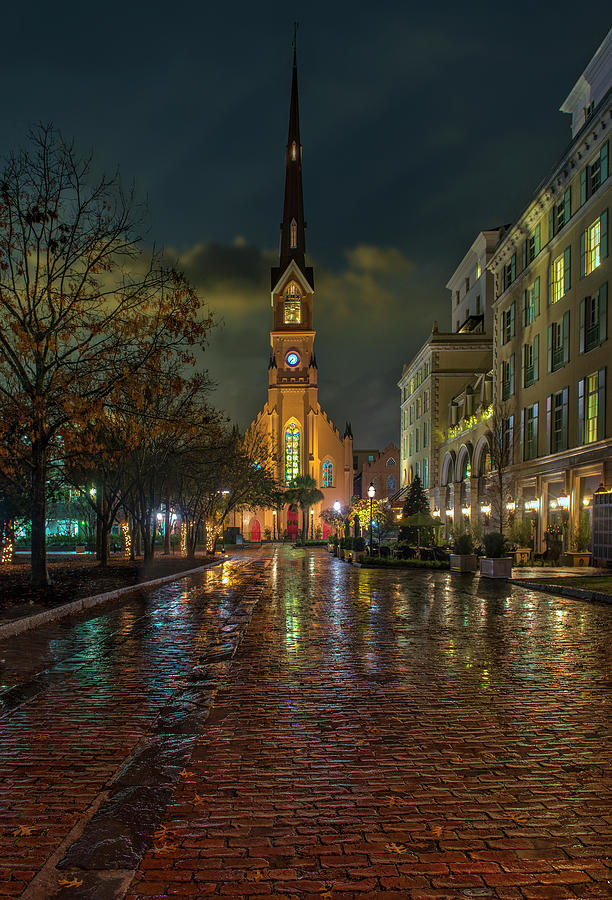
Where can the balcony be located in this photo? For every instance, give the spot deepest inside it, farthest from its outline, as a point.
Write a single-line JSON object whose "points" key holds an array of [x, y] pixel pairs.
{"points": [[591, 337], [529, 376], [558, 358], [506, 390]]}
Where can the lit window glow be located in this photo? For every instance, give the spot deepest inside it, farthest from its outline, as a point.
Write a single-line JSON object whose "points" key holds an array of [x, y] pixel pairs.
{"points": [[558, 277], [593, 247], [328, 473], [292, 452], [293, 305]]}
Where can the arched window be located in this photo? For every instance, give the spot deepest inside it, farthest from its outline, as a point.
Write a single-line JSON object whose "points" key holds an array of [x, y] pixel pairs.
{"points": [[292, 452], [390, 462], [293, 150], [293, 304], [293, 234], [484, 465], [391, 483], [328, 474]]}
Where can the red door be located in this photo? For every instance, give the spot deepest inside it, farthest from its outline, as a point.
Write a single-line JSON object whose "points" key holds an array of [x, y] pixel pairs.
{"points": [[327, 530], [292, 525], [255, 530]]}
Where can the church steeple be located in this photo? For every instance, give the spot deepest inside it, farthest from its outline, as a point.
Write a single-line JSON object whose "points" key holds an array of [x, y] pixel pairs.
{"points": [[293, 226]]}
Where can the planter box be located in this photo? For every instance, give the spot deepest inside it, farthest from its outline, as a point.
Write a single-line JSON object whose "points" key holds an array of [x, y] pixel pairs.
{"points": [[522, 556], [578, 558], [496, 567], [463, 562]]}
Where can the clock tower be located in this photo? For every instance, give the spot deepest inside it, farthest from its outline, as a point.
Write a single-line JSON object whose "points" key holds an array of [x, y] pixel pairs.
{"points": [[304, 439]]}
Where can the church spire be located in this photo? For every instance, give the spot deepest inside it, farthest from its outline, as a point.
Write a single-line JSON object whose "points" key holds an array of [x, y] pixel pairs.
{"points": [[293, 238]]}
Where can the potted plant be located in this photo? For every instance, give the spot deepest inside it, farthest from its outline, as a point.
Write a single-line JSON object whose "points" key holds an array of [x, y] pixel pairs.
{"points": [[463, 558], [521, 537], [495, 564], [581, 537]]}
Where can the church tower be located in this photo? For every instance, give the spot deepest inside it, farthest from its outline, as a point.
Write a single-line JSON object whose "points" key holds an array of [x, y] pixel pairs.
{"points": [[304, 439]]}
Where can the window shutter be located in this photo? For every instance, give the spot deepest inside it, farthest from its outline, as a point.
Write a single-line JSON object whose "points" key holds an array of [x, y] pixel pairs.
{"points": [[583, 186], [551, 224], [523, 433], [567, 263], [582, 326], [550, 349], [536, 407], [583, 238], [536, 357], [603, 312], [566, 335], [601, 405], [501, 329], [512, 375], [536, 297], [564, 419], [603, 242], [501, 374], [567, 205], [513, 267], [550, 290], [524, 255], [581, 411], [537, 242], [525, 295], [523, 348], [512, 318], [549, 401], [603, 165]]}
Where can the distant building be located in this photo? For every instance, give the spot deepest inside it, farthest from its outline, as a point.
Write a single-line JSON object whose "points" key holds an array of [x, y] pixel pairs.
{"points": [[551, 332], [472, 286], [382, 472]]}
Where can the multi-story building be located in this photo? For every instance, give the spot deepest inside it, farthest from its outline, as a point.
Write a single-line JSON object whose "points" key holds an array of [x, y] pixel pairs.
{"points": [[443, 366], [383, 472], [551, 345], [472, 286]]}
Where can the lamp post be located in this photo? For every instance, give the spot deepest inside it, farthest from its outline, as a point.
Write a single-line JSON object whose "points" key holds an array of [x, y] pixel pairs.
{"points": [[273, 524], [371, 493], [311, 524]]}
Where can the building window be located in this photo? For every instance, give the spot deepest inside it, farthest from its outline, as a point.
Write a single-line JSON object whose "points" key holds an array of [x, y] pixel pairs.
{"points": [[425, 434], [391, 484], [328, 474], [533, 244], [411, 444], [508, 440], [556, 421], [560, 214], [426, 401], [530, 362], [293, 150], [592, 407], [390, 462], [293, 305], [558, 343], [411, 414], [478, 269], [559, 276], [509, 272], [416, 440], [467, 285], [456, 298], [594, 245], [292, 452], [419, 404], [531, 303], [594, 175], [478, 305], [426, 370], [594, 320], [293, 231], [507, 324], [530, 432], [426, 472], [506, 376]]}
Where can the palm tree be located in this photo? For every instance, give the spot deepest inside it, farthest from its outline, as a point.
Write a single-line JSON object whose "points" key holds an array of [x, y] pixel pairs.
{"points": [[303, 492]]}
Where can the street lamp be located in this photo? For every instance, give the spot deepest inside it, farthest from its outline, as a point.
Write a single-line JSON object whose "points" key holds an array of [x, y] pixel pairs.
{"points": [[371, 493]]}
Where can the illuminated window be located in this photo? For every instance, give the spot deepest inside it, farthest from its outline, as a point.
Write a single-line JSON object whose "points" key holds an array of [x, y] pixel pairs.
{"points": [[292, 452], [591, 408], [293, 304], [293, 234], [328, 474], [593, 245], [559, 277], [391, 484], [478, 269], [390, 462], [293, 150]]}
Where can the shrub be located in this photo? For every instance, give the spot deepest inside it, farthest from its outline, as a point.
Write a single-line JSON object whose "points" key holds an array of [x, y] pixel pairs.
{"points": [[463, 544], [582, 536], [521, 532], [358, 543], [495, 544]]}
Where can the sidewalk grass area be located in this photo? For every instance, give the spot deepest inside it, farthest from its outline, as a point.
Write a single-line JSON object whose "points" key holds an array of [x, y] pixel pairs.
{"points": [[76, 577], [601, 583]]}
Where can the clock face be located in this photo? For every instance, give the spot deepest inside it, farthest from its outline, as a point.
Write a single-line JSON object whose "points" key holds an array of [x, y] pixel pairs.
{"points": [[293, 359]]}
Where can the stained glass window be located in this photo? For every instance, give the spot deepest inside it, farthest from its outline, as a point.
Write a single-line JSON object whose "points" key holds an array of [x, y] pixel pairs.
{"points": [[292, 452], [293, 305], [328, 474]]}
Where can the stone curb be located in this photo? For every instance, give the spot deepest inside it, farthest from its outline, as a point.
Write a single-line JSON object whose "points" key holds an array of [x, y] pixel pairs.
{"points": [[576, 593], [28, 623]]}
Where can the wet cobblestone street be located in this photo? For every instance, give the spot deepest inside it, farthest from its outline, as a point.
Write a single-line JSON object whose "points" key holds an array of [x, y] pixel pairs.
{"points": [[410, 734]]}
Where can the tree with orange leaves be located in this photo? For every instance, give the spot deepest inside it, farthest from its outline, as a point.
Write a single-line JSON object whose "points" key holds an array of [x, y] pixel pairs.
{"points": [[82, 309]]}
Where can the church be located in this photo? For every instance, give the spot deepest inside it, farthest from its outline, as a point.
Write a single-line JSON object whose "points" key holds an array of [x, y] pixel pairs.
{"points": [[303, 438]]}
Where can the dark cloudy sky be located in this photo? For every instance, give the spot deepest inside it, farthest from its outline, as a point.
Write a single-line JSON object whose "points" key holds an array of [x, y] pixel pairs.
{"points": [[421, 125]]}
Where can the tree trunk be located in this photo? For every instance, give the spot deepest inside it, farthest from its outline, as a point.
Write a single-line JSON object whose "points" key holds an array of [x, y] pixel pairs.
{"points": [[99, 522], [104, 536], [167, 527], [39, 577]]}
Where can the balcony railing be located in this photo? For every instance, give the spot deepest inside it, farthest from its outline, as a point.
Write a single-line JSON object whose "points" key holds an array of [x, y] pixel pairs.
{"points": [[506, 390], [529, 376], [558, 358], [591, 338]]}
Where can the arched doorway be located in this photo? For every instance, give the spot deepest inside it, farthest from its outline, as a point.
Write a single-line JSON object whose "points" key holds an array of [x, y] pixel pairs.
{"points": [[292, 524], [255, 530]]}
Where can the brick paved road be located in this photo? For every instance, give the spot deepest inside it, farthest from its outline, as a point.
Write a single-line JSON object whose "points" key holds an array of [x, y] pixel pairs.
{"points": [[396, 733]]}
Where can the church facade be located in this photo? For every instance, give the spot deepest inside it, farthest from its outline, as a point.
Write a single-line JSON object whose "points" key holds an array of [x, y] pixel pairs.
{"points": [[303, 438]]}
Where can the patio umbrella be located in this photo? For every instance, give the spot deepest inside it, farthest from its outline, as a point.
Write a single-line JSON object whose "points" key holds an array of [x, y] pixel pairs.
{"points": [[419, 520]]}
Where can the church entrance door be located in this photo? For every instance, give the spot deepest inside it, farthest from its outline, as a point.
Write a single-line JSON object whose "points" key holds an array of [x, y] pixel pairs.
{"points": [[292, 525]]}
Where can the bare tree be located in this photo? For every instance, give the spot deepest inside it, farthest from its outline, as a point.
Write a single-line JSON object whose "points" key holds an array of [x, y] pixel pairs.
{"points": [[502, 430]]}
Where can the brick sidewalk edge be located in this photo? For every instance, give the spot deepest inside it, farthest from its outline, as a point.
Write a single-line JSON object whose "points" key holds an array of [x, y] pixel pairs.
{"points": [[28, 623], [577, 593]]}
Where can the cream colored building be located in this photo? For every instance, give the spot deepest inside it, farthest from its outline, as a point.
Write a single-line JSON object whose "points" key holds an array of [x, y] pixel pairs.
{"points": [[551, 333]]}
